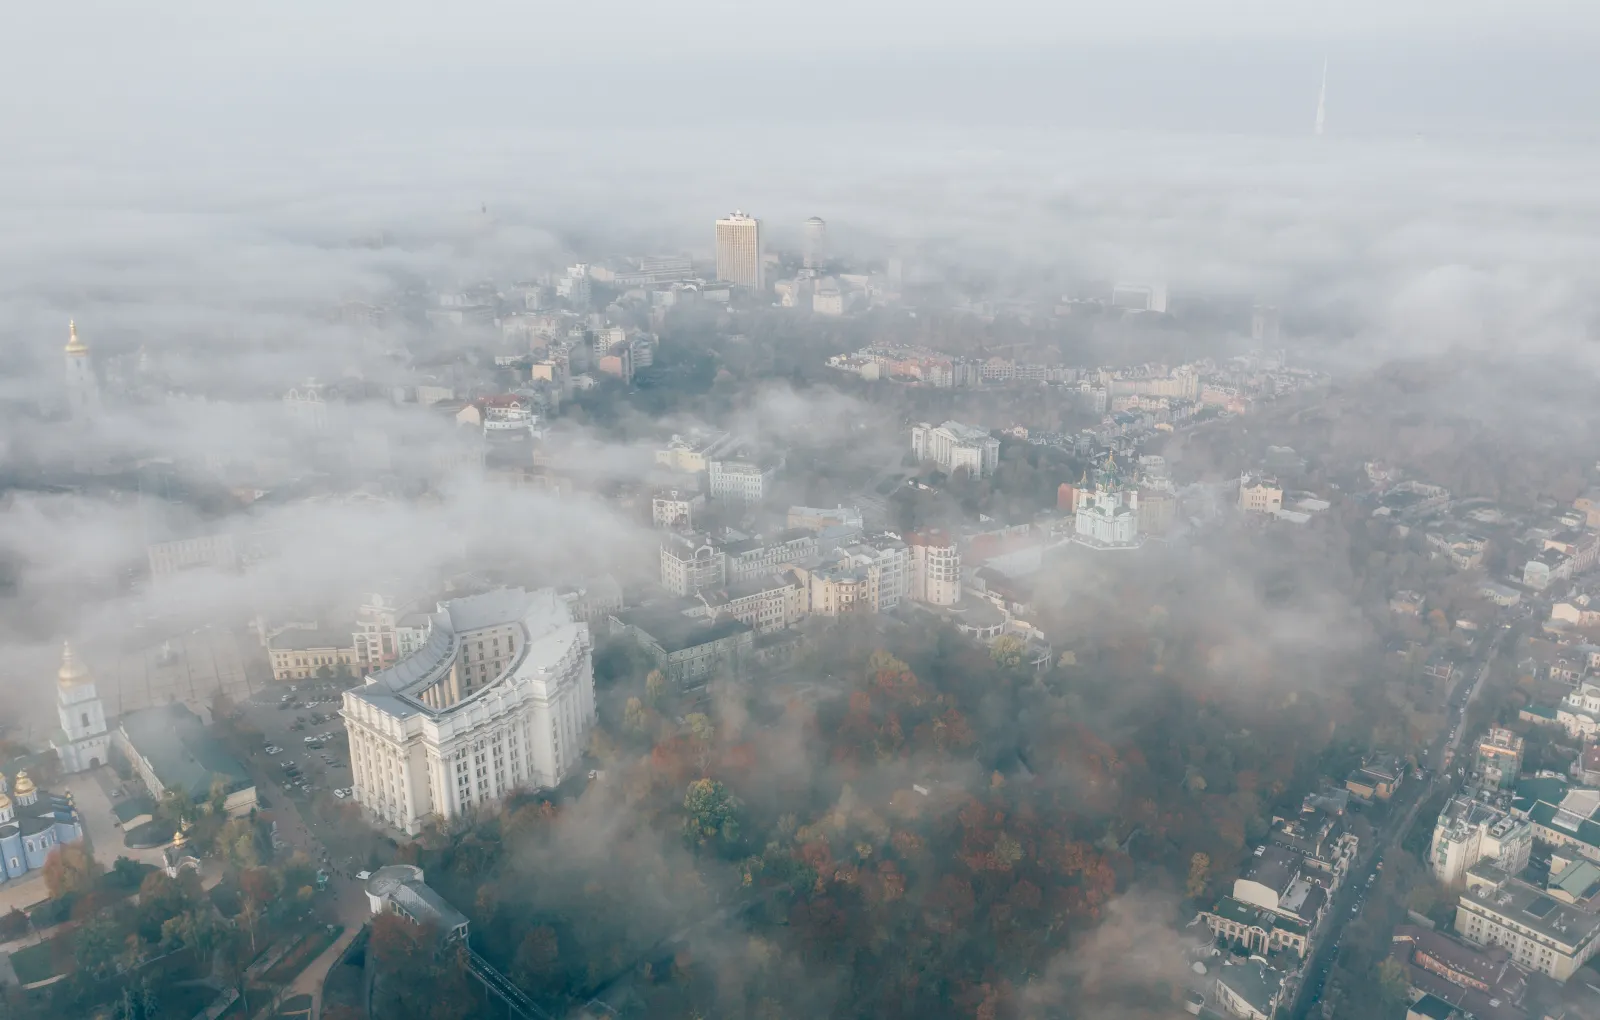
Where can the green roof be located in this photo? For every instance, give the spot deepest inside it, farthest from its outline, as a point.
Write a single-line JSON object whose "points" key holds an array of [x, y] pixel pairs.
{"points": [[1432, 1007], [1240, 912], [180, 751], [1529, 792], [1544, 814], [1542, 711]]}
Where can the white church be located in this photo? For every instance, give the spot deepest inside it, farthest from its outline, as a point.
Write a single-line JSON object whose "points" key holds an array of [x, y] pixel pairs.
{"points": [[1108, 516]]}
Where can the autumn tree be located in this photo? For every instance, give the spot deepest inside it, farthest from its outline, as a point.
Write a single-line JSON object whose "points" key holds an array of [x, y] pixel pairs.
{"points": [[712, 812], [537, 957], [1199, 875], [69, 870]]}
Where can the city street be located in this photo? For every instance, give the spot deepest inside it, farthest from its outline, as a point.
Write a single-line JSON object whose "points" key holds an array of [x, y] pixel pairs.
{"points": [[1412, 796]]}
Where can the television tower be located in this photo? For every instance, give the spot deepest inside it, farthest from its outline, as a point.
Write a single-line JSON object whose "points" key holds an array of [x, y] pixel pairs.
{"points": [[1322, 99]]}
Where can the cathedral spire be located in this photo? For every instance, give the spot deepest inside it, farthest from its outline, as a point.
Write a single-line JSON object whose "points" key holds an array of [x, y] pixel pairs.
{"points": [[72, 671], [74, 345]]}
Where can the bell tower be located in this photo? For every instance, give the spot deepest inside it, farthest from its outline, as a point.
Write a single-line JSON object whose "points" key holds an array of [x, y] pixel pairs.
{"points": [[82, 742], [83, 389]]}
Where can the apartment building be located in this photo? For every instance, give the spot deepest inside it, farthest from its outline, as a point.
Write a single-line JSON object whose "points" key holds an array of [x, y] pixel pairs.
{"points": [[953, 445], [1541, 934], [751, 558], [1260, 494], [690, 563], [1468, 831]]}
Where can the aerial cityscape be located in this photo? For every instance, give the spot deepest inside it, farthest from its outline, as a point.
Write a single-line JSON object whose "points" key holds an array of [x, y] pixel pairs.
{"points": [[597, 540]]}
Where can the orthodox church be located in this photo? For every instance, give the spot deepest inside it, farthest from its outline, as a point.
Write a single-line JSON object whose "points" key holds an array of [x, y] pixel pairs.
{"points": [[1107, 515], [32, 823]]}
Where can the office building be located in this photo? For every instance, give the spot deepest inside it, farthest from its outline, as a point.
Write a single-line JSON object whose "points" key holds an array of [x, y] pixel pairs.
{"points": [[744, 480], [501, 697], [739, 251]]}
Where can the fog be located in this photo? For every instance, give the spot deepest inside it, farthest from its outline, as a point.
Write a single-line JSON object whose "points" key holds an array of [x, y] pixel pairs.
{"points": [[202, 188]]}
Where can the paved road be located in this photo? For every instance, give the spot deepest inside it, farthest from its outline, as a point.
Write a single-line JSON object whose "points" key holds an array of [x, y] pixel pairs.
{"points": [[1348, 900]]}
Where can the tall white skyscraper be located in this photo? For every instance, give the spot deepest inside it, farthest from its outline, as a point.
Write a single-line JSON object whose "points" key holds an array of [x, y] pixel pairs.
{"points": [[83, 389], [816, 242], [739, 251]]}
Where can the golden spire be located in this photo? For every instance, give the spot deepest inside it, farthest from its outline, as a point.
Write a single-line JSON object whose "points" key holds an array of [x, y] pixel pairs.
{"points": [[74, 345], [72, 671]]}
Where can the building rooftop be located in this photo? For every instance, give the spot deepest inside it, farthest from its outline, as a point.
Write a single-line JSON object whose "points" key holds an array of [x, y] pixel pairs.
{"points": [[297, 639], [546, 622], [1254, 982], [180, 751], [673, 631], [1529, 907]]}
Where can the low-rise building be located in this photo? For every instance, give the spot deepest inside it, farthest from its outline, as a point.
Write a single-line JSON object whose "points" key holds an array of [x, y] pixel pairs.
{"points": [[1456, 972], [1255, 928], [300, 654], [1260, 494], [1465, 552], [1579, 712], [771, 603], [744, 480], [400, 889], [818, 518], [1377, 778], [33, 822], [688, 651], [1250, 990], [170, 749], [694, 452]]}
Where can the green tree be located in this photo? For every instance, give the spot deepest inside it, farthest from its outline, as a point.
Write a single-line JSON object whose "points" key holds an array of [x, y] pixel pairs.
{"points": [[95, 947], [217, 796], [712, 812], [634, 719], [1393, 983], [1007, 651], [655, 687]]}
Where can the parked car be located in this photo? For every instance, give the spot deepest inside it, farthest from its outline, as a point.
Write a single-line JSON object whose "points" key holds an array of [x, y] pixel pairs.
{"points": [[340, 793], [274, 749]]}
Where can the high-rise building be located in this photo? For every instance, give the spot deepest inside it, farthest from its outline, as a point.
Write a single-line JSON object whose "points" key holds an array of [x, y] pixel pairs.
{"points": [[83, 389], [739, 251], [1468, 831], [816, 242]]}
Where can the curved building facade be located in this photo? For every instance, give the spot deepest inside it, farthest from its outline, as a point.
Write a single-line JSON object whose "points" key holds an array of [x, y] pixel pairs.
{"points": [[500, 696]]}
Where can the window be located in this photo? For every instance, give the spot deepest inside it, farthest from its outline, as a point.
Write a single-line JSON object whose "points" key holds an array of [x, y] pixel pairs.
{"points": [[85, 717]]}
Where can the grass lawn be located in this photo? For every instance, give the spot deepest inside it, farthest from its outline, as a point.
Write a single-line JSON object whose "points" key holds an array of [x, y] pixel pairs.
{"points": [[47, 959]]}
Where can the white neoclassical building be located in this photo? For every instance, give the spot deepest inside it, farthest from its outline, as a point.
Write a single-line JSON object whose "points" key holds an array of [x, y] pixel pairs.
{"points": [[1108, 515], [500, 696]]}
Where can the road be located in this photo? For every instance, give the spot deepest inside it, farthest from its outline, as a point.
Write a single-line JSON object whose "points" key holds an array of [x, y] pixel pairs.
{"points": [[1347, 901]]}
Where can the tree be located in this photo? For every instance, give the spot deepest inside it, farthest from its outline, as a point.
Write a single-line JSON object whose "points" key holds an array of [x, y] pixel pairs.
{"points": [[217, 796], [1007, 651], [69, 869], [1199, 875], [712, 812], [127, 872], [1393, 983], [537, 957], [634, 719], [95, 947], [655, 687]]}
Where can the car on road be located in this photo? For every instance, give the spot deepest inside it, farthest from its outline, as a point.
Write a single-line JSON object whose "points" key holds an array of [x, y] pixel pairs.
{"points": [[340, 793], [274, 749]]}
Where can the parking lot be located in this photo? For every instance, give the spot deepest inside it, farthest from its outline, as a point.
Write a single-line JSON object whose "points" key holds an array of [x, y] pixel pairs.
{"points": [[303, 737]]}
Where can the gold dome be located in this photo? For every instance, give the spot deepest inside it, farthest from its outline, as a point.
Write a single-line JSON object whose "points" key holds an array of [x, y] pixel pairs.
{"points": [[23, 785], [72, 671], [74, 345], [5, 802]]}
